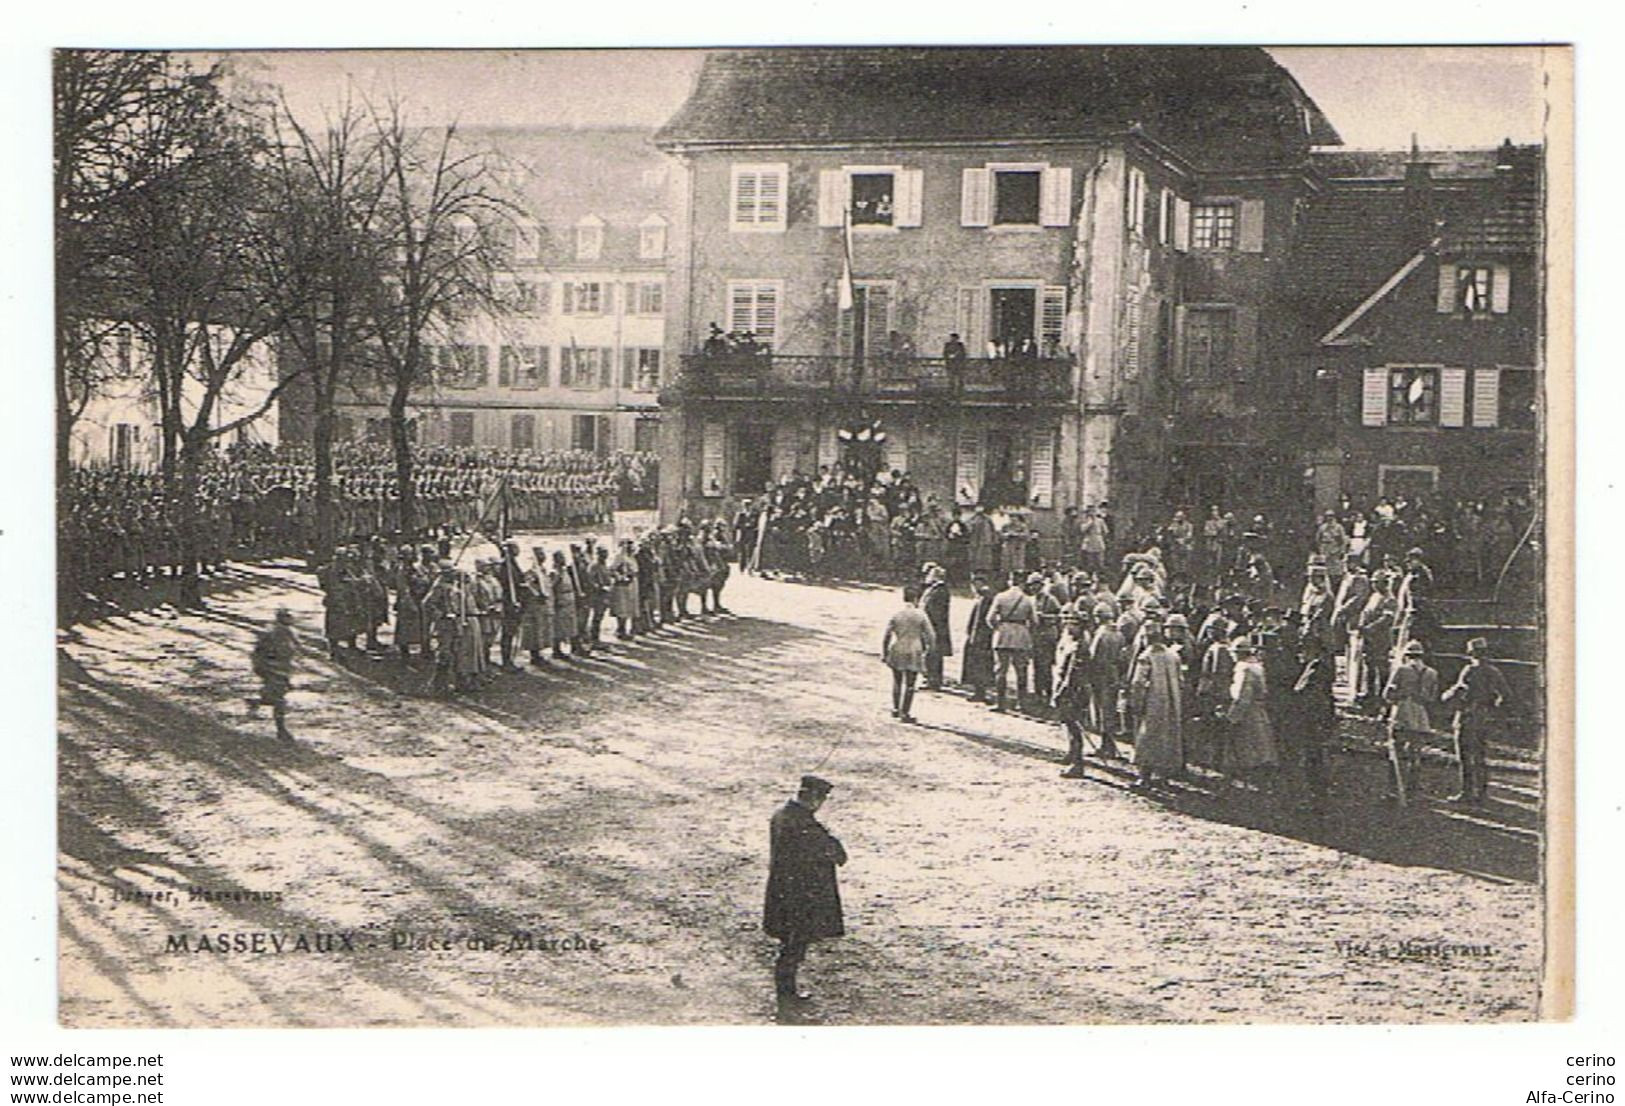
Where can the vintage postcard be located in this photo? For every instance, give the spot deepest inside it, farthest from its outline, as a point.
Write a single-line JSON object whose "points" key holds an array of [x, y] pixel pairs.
{"points": [[814, 535]]}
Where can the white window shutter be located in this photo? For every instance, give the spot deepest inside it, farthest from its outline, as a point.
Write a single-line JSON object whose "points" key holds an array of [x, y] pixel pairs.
{"points": [[1250, 234], [1374, 398], [1452, 397], [910, 198], [1500, 289], [1041, 472], [1244, 347], [970, 318], [1182, 224], [832, 185], [569, 307], [1165, 216], [968, 466], [741, 307], [711, 456], [829, 447], [1052, 318], [975, 198], [894, 450], [1055, 199], [770, 189], [1486, 398], [767, 315], [1447, 288]]}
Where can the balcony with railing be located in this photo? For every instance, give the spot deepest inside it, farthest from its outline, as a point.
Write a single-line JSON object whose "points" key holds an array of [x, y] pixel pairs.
{"points": [[995, 381]]}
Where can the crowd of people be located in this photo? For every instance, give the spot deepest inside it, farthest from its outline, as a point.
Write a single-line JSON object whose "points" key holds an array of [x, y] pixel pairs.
{"points": [[844, 522], [1240, 685], [468, 625], [258, 501]]}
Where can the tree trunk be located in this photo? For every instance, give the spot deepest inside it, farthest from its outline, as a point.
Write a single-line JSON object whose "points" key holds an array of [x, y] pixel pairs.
{"points": [[402, 446], [191, 587], [322, 447]]}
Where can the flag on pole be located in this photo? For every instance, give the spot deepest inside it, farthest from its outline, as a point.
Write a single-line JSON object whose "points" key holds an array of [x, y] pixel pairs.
{"points": [[846, 293]]}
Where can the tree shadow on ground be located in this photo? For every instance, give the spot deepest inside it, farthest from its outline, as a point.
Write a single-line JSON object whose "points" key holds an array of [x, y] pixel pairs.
{"points": [[1499, 841]]}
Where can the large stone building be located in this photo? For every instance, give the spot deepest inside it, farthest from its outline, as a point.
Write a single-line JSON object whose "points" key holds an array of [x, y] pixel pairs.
{"points": [[577, 363], [1102, 228]]}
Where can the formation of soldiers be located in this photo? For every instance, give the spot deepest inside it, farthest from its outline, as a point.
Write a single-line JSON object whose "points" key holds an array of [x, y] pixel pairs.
{"points": [[551, 604], [1241, 686], [259, 501]]}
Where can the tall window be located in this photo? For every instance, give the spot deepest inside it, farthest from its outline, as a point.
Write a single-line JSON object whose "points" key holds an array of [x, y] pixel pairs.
{"points": [[652, 238], [1213, 226], [583, 298], [522, 432], [873, 199], [462, 366], [640, 369], [651, 298], [461, 428], [757, 201], [1015, 196], [589, 238], [1413, 397], [645, 435], [126, 344], [585, 368], [1473, 288], [1208, 340], [754, 306], [523, 367]]}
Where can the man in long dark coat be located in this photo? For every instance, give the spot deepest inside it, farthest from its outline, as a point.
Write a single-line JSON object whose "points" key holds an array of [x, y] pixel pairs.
{"points": [[935, 604], [803, 898]]}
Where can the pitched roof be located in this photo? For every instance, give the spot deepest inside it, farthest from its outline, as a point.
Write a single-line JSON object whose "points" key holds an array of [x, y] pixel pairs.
{"points": [[1222, 107], [1363, 228], [567, 174]]}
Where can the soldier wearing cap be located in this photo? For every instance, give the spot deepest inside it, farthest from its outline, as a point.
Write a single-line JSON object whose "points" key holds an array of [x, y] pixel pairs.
{"points": [[274, 651], [1478, 693], [1046, 634], [803, 897], [1072, 680], [1011, 618], [1412, 694]]}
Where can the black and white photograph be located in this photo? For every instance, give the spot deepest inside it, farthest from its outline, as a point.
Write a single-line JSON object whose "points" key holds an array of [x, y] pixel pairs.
{"points": [[818, 536]]}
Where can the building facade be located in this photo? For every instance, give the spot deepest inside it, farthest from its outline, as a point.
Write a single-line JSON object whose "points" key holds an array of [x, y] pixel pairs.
{"points": [[1421, 302], [121, 425], [1100, 229], [577, 359]]}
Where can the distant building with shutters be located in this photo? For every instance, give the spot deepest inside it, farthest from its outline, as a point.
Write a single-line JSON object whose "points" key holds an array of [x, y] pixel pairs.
{"points": [[578, 359], [1102, 228], [1418, 284]]}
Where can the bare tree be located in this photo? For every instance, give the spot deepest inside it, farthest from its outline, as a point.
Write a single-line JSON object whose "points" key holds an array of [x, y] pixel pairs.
{"points": [[446, 209], [189, 258], [103, 102], [329, 252]]}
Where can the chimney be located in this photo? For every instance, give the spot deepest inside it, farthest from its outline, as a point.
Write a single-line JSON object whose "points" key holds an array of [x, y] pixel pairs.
{"points": [[1421, 217]]}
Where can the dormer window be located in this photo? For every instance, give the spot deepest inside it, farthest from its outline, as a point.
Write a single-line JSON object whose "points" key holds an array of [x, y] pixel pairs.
{"points": [[652, 238], [589, 238]]}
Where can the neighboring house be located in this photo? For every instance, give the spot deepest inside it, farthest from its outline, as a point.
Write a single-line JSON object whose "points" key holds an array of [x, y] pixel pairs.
{"points": [[121, 425], [578, 360], [1100, 226], [1419, 287]]}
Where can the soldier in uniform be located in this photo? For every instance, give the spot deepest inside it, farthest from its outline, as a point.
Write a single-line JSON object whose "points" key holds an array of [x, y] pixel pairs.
{"points": [[977, 671], [935, 603], [536, 626], [1011, 617], [803, 898], [274, 651], [1478, 693], [1412, 694]]}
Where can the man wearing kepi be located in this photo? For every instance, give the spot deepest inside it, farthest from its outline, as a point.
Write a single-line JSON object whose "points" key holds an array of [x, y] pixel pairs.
{"points": [[803, 899], [1478, 693]]}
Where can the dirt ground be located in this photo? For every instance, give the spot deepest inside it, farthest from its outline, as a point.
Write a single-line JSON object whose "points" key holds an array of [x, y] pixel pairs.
{"points": [[443, 861]]}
